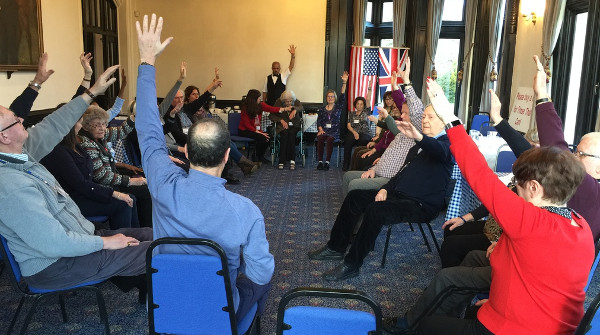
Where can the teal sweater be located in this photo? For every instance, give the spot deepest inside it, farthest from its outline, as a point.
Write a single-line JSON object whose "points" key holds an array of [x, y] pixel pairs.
{"points": [[39, 220]]}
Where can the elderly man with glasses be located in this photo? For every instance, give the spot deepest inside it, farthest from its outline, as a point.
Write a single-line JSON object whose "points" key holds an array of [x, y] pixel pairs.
{"points": [[54, 245]]}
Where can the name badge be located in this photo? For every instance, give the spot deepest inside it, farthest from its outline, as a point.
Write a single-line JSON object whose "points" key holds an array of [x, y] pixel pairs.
{"points": [[356, 121], [328, 125], [258, 128], [290, 123]]}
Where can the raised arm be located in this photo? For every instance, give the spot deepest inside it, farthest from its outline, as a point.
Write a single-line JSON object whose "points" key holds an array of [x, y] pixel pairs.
{"points": [[292, 51], [155, 156], [163, 108], [344, 82], [21, 106]]}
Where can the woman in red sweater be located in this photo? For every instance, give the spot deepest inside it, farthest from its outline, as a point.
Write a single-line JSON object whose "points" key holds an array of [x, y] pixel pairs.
{"points": [[542, 260], [252, 109]]}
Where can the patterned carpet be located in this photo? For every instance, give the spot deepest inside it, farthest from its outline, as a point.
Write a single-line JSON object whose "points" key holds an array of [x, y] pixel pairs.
{"points": [[299, 209]]}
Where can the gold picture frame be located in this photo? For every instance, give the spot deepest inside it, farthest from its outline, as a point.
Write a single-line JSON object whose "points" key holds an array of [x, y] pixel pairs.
{"points": [[21, 42]]}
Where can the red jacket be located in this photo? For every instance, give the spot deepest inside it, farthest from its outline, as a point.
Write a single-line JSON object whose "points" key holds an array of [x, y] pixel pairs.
{"points": [[541, 262], [247, 124]]}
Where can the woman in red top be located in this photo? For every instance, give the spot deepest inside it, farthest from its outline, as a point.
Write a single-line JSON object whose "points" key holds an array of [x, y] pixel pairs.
{"points": [[542, 260], [252, 109]]}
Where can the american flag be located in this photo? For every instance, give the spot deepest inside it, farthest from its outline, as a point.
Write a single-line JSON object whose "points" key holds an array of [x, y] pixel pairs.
{"points": [[375, 64]]}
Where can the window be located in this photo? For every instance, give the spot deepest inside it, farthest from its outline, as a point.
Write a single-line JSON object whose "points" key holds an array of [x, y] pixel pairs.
{"points": [[379, 23], [575, 77], [449, 53]]}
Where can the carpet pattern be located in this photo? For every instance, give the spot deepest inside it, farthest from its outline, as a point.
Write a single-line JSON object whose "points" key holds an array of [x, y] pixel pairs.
{"points": [[299, 208]]}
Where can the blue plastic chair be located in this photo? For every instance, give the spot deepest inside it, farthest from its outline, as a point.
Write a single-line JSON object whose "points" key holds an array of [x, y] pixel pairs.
{"points": [[191, 293], [324, 320], [505, 160], [479, 120], [233, 122], [41, 294]]}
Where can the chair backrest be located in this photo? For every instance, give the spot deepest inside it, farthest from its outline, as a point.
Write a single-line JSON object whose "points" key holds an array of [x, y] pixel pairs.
{"points": [[590, 323], [11, 263], [233, 121], [505, 159], [189, 293], [478, 121], [324, 320], [485, 128]]}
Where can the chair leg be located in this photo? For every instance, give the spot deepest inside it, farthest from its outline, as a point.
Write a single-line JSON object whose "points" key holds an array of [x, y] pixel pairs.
{"points": [[102, 310], [14, 320], [435, 242], [424, 237], [411, 227], [61, 300], [36, 302], [385, 248]]}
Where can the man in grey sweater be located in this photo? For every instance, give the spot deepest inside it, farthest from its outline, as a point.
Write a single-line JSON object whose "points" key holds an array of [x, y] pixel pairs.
{"points": [[54, 245]]}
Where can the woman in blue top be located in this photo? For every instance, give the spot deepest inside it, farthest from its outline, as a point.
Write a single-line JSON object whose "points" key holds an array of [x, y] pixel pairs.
{"points": [[328, 122]]}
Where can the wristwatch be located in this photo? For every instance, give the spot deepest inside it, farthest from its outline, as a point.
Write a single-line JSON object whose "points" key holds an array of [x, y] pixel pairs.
{"points": [[453, 124], [34, 84]]}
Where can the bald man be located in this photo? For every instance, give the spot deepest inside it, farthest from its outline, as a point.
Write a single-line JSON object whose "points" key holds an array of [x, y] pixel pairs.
{"points": [[197, 204], [276, 82]]}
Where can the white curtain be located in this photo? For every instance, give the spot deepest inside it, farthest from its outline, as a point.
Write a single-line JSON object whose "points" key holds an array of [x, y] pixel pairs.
{"points": [[470, 22], [399, 23], [494, 33], [553, 18], [435, 9], [360, 9]]}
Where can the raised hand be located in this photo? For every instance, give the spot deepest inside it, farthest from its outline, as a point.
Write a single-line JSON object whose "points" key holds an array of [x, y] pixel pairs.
{"points": [[42, 74], [394, 78], [539, 80], [383, 112], [495, 108], [345, 76], [85, 59], [149, 39], [182, 71], [292, 49], [439, 102], [405, 75], [217, 73], [408, 130], [104, 81]]}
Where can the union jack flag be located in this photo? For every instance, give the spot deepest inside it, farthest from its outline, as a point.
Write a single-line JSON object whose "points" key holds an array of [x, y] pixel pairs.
{"points": [[374, 65]]}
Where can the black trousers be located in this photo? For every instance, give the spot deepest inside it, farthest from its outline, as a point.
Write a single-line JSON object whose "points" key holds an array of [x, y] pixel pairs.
{"points": [[287, 144], [120, 215], [376, 213], [144, 203], [446, 325], [260, 140], [350, 142], [458, 242]]}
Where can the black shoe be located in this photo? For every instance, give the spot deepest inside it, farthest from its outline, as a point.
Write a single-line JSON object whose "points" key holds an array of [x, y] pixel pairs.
{"points": [[325, 253], [232, 180], [397, 326], [341, 272], [320, 166], [326, 166]]}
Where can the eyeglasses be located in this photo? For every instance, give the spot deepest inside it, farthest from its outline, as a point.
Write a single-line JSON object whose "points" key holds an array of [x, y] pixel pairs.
{"points": [[514, 180], [584, 154], [12, 124], [99, 125]]}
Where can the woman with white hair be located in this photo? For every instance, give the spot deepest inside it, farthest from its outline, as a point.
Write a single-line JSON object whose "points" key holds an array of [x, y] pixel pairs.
{"points": [[287, 126]]}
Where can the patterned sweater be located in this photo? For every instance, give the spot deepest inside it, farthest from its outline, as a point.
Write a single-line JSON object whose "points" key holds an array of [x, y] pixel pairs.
{"points": [[105, 172]]}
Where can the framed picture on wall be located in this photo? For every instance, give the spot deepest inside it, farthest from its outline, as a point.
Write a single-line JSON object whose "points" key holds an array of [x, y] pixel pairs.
{"points": [[20, 35]]}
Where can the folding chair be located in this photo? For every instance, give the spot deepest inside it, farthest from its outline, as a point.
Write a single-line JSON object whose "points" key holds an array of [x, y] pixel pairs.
{"points": [[192, 293], [449, 191], [505, 159], [324, 320], [233, 122], [590, 323], [479, 120], [336, 143], [41, 294]]}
